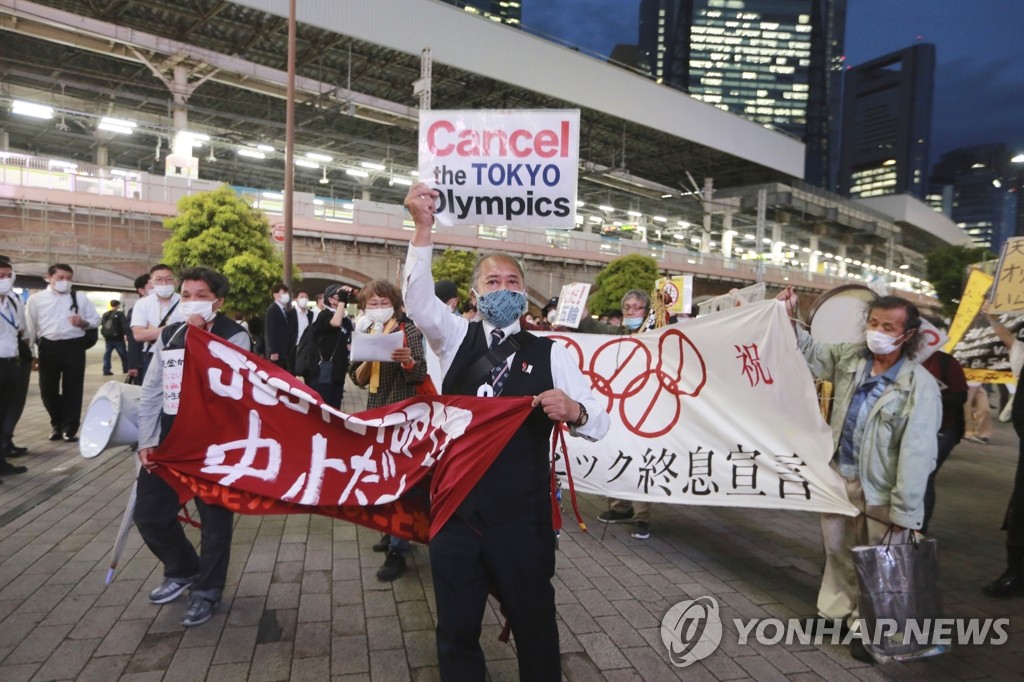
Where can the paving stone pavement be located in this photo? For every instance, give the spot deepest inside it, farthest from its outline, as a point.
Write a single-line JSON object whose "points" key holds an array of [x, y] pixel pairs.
{"points": [[303, 603]]}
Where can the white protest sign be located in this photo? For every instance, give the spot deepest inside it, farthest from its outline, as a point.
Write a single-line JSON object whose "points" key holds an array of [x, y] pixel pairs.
{"points": [[516, 168], [720, 411], [571, 303], [172, 363]]}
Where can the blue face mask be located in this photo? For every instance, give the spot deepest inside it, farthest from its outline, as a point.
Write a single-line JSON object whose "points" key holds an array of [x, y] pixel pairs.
{"points": [[502, 307], [632, 323]]}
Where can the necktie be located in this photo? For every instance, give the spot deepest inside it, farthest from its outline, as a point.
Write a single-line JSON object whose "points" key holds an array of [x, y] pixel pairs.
{"points": [[499, 373]]}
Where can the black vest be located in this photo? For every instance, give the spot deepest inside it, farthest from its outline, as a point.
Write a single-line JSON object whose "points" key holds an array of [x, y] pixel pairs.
{"points": [[518, 482], [222, 327]]}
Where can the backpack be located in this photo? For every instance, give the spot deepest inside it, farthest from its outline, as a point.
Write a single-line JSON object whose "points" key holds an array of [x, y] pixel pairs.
{"points": [[307, 355], [110, 326]]}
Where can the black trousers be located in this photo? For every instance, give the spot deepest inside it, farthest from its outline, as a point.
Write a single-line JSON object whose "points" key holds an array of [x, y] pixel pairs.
{"points": [[12, 400], [156, 517], [517, 560], [61, 380]]}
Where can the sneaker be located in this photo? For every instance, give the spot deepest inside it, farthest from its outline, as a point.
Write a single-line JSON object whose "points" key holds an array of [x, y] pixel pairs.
{"points": [[641, 531], [198, 611], [612, 516], [170, 590], [382, 544], [70, 438], [394, 566], [56, 435]]}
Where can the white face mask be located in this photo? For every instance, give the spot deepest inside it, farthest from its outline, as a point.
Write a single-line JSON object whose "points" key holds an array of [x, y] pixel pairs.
{"points": [[285, 298], [380, 315], [6, 284], [203, 308], [881, 343], [164, 290], [62, 286], [303, 303]]}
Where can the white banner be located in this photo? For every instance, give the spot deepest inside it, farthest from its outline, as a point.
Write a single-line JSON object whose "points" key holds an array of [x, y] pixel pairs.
{"points": [[720, 410], [516, 168]]}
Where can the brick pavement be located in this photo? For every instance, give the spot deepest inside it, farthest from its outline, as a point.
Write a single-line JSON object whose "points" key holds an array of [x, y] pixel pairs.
{"points": [[303, 603]]}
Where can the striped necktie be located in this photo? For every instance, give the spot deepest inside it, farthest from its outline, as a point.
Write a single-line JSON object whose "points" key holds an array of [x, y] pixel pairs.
{"points": [[499, 374]]}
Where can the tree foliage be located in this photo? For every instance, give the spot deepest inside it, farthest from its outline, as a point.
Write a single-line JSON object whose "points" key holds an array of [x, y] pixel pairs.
{"points": [[622, 274], [947, 268], [458, 267], [220, 230]]}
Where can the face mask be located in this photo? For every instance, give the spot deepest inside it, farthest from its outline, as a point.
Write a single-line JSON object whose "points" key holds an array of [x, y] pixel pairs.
{"points": [[552, 316], [880, 343], [203, 308], [380, 315], [6, 285], [302, 303], [632, 322], [502, 307], [62, 286], [164, 290], [285, 298]]}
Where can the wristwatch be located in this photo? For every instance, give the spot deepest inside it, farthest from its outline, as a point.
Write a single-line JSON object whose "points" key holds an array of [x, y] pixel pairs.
{"points": [[584, 416]]}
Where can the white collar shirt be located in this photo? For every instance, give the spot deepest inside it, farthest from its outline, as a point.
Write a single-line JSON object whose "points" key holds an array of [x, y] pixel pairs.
{"points": [[151, 310], [12, 323], [445, 333], [48, 311]]}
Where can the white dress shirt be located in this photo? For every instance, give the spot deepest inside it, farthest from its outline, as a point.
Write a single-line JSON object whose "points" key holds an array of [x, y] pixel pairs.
{"points": [[150, 310], [445, 333], [12, 321], [47, 313], [303, 317]]}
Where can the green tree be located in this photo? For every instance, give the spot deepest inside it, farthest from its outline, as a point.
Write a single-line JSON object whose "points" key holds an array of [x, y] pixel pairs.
{"points": [[458, 267], [622, 274], [947, 268], [220, 230]]}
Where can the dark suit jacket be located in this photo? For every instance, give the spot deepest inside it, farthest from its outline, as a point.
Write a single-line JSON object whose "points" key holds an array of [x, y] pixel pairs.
{"points": [[276, 334]]}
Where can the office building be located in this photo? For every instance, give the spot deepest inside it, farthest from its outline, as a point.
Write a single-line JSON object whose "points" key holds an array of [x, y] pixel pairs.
{"points": [[980, 186], [887, 120], [776, 62], [503, 11]]}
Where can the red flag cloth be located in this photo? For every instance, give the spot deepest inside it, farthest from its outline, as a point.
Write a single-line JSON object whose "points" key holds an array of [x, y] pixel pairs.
{"points": [[252, 438]]}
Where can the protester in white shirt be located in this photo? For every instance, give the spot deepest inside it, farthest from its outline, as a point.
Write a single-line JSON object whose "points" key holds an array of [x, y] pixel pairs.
{"points": [[58, 330], [12, 325], [154, 312]]}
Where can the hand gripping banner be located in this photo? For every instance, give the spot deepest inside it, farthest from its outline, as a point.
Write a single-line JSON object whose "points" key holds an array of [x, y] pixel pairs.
{"points": [[250, 437]]}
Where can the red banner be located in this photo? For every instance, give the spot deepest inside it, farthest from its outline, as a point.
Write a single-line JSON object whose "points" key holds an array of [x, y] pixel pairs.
{"points": [[252, 438]]}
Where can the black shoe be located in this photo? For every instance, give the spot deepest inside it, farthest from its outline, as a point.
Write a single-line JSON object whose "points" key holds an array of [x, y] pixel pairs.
{"points": [[56, 434], [1009, 584], [612, 516], [860, 652], [641, 531], [16, 450], [394, 566], [198, 611], [108, 374], [70, 438], [8, 468], [382, 544]]}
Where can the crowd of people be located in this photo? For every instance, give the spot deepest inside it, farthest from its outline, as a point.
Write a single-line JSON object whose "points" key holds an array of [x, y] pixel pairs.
{"points": [[895, 420]]}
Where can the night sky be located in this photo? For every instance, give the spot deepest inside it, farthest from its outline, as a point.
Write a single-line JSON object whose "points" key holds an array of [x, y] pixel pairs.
{"points": [[979, 74]]}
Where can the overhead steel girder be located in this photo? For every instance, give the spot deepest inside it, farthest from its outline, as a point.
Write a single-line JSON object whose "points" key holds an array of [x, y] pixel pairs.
{"points": [[93, 35]]}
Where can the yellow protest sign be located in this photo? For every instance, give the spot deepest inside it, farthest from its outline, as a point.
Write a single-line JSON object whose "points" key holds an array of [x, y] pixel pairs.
{"points": [[970, 304]]}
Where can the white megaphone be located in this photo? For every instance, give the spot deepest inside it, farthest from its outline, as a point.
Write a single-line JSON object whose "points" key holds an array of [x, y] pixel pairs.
{"points": [[112, 419]]}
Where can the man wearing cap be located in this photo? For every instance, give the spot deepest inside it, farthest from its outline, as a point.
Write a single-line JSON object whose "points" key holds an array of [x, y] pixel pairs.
{"points": [[12, 326], [501, 536]]}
